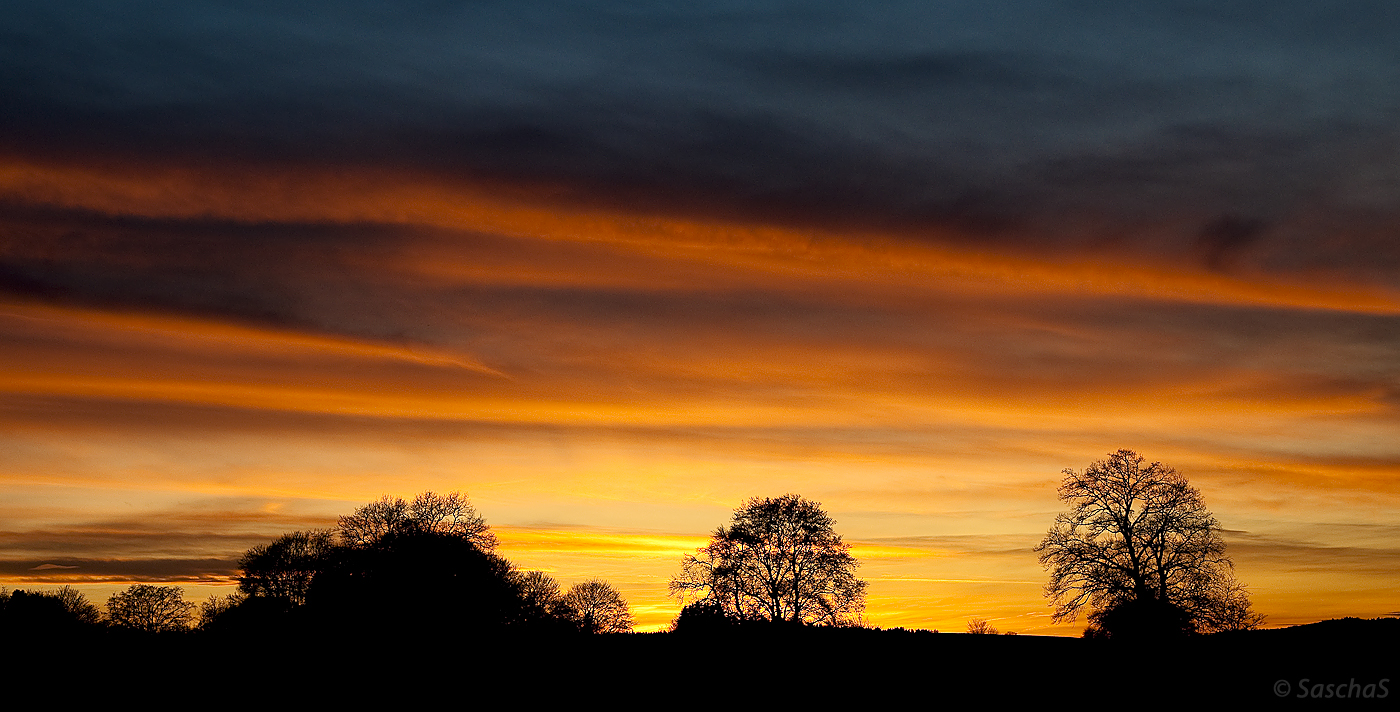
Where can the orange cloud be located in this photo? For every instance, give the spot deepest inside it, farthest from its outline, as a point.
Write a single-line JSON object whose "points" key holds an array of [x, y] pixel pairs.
{"points": [[867, 262]]}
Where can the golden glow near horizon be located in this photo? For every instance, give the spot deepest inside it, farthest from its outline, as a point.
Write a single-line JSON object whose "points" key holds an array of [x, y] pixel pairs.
{"points": [[607, 387]]}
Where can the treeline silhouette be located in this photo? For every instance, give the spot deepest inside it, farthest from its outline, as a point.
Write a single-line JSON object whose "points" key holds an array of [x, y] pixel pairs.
{"points": [[415, 590], [1137, 551]]}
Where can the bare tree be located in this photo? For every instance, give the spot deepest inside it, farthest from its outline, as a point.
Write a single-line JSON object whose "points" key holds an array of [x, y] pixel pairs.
{"points": [[779, 560], [215, 607], [285, 568], [450, 514], [541, 595], [77, 605], [373, 521], [1223, 605], [980, 626], [598, 608], [152, 609], [1138, 539]]}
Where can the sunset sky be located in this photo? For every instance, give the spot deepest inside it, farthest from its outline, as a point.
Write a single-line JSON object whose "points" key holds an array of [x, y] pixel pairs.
{"points": [[611, 268]]}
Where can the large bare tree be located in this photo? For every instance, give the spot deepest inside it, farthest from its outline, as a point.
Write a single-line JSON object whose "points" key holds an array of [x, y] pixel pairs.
{"points": [[780, 559], [1139, 537]]}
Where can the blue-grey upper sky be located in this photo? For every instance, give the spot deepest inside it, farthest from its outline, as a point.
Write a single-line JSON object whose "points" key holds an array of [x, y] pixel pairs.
{"points": [[1260, 133]]}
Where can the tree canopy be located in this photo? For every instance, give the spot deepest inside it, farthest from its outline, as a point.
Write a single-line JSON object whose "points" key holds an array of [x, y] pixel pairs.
{"points": [[77, 605], [50, 611], [542, 599], [598, 608], [1141, 551], [451, 514], [285, 567], [779, 559], [151, 609]]}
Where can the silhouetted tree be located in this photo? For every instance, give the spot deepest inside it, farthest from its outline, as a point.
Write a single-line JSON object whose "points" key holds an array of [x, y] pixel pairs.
{"points": [[284, 568], [778, 560], [77, 605], [215, 609], [1223, 605], [152, 609], [450, 514], [980, 626], [701, 617], [598, 608], [1139, 548], [540, 594]]}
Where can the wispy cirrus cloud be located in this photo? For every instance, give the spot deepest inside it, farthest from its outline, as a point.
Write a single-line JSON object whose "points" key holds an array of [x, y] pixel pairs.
{"points": [[120, 571]]}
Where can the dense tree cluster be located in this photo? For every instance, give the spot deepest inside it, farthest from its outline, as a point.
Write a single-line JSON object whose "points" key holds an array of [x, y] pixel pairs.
{"points": [[425, 564], [142, 608], [63, 609], [424, 568]]}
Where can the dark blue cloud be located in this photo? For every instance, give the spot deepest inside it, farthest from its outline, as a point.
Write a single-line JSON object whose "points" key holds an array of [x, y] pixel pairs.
{"points": [[1032, 119]]}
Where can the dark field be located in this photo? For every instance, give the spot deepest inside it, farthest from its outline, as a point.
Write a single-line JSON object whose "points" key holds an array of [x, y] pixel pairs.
{"points": [[742, 667]]}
